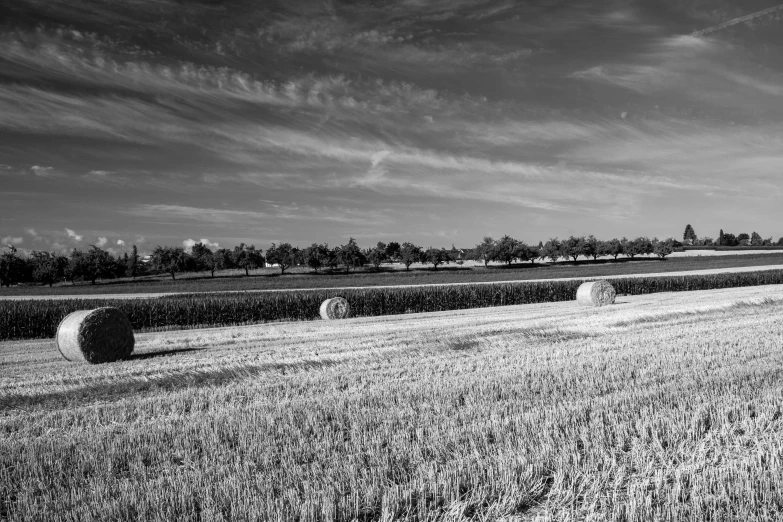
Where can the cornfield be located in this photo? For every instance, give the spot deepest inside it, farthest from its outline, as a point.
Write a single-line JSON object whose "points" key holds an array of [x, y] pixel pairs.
{"points": [[39, 319]]}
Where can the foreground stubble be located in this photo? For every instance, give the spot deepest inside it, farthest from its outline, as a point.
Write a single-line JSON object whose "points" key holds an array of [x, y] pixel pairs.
{"points": [[662, 407]]}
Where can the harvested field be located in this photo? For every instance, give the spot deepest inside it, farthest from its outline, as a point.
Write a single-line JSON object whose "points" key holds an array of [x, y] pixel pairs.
{"points": [[664, 406]]}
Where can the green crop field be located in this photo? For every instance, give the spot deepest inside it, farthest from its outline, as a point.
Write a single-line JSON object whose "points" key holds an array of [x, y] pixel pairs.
{"points": [[662, 407], [30, 319], [270, 278]]}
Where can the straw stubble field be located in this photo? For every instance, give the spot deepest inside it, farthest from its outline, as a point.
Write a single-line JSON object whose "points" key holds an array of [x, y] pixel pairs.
{"points": [[661, 407]]}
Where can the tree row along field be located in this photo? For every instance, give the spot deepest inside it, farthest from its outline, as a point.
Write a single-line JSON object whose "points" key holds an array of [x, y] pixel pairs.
{"points": [[300, 277], [665, 407], [39, 319], [50, 268]]}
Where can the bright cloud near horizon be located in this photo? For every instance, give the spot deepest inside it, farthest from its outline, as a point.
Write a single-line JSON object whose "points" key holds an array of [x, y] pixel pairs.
{"points": [[434, 122]]}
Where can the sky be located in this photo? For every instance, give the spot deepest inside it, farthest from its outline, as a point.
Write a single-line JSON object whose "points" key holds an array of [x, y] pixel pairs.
{"points": [[432, 121]]}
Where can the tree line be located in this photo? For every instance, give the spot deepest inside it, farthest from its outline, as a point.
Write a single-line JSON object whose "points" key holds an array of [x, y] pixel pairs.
{"points": [[95, 263], [690, 238]]}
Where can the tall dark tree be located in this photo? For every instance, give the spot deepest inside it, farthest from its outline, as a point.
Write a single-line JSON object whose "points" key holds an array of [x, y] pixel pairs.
{"points": [[689, 236], [135, 266], [123, 265], [720, 237]]}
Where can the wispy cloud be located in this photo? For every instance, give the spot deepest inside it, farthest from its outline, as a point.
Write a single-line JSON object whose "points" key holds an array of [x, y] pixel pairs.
{"points": [[318, 118], [11, 240], [45, 172], [261, 219], [73, 235]]}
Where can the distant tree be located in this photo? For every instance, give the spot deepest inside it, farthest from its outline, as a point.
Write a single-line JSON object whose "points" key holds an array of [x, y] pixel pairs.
{"points": [[689, 236], [756, 239], [591, 247], [639, 246], [506, 250], [75, 268], [484, 251], [393, 251], [663, 248], [551, 250], [767, 242], [316, 256], [123, 265], [705, 241], [90, 265], [201, 255], [627, 246], [283, 255], [720, 238], [780, 242], [48, 268], [572, 247], [527, 252], [614, 247], [729, 240], [436, 257], [11, 267], [409, 254], [743, 237], [135, 266], [205, 259], [377, 256], [213, 261], [350, 255], [222, 259], [170, 260], [247, 258]]}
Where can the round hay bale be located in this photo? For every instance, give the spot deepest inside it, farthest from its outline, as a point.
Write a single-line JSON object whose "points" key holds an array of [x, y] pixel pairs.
{"points": [[96, 336], [335, 308], [595, 293]]}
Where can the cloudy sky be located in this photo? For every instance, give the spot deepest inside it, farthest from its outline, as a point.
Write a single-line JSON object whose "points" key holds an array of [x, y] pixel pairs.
{"points": [[435, 121]]}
